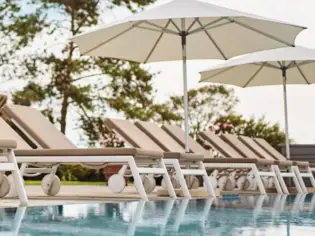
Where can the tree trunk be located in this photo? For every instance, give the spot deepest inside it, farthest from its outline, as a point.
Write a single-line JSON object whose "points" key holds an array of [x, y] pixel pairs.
{"points": [[64, 112]]}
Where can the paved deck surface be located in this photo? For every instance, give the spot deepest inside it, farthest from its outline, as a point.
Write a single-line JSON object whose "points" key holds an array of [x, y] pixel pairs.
{"points": [[90, 193], [77, 194]]}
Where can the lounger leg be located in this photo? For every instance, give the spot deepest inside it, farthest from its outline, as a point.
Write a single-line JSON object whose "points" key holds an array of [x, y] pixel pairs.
{"points": [[300, 179], [167, 180], [258, 180], [181, 178], [18, 181], [280, 179], [296, 181], [206, 180], [137, 179], [22, 169], [277, 184], [49, 183], [309, 170]]}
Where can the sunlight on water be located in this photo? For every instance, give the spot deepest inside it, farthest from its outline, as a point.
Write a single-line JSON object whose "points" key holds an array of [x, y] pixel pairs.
{"points": [[247, 216]]}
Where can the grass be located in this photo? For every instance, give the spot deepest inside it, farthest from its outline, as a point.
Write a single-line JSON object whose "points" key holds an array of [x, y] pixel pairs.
{"points": [[38, 182]]}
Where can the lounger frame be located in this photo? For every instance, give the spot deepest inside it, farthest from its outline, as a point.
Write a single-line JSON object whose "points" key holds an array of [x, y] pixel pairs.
{"points": [[10, 164], [129, 160]]}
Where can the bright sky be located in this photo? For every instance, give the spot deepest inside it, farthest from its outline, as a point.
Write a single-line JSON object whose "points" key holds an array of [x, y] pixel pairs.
{"points": [[257, 101]]}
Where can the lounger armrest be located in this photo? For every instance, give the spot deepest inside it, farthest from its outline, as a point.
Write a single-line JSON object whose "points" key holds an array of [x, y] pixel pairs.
{"points": [[184, 156], [301, 163], [239, 160], [7, 144]]}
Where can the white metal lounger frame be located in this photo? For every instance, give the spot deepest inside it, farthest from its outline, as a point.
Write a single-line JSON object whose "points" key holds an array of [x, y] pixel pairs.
{"points": [[181, 173], [307, 174], [129, 160], [254, 173], [51, 169], [274, 172], [12, 166]]}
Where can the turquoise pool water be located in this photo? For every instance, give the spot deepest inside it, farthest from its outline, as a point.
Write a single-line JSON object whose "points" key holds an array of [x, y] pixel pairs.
{"points": [[246, 216]]}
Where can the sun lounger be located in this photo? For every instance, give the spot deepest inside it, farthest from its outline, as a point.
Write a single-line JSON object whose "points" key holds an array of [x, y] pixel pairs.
{"points": [[233, 160], [174, 157], [245, 151], [54, 148], [301, 168], [9, 164], [260, 168]]}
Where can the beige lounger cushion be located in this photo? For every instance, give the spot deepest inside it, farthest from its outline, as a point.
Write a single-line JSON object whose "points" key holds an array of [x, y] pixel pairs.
{"points": [[270, 149], [159, 136], [135, 137], [6, 132], [179, 136], [284, 163], [251, 144], [301, 163], [217, 143], [184, 156], [239, 146], [38, 127], [137, 153], [240, 160], [7, 143]]}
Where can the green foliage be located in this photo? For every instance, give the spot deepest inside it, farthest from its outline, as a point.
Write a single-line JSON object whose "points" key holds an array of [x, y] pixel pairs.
{"points": [[206, 104], [255, 128]]}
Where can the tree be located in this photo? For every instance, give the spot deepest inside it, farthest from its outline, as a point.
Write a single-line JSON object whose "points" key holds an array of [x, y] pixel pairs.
{"points": [[57, 80], [35, 50], [206, 104], [252, 127]]}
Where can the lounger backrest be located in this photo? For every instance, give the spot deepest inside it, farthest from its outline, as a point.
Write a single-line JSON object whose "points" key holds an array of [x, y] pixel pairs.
{"points": [[179, 136], [159, 136], [6, 132], [239, 146], [251, 144], [217, 143], [132, 134], [37, 127], [3, 100], [270, 149]]}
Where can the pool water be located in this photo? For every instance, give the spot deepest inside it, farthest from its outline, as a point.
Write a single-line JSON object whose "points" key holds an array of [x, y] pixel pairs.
{"points": [[247, 216]]}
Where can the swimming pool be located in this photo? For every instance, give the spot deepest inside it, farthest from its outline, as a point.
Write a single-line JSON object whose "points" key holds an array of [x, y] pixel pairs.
{"points": [[247, 216]]}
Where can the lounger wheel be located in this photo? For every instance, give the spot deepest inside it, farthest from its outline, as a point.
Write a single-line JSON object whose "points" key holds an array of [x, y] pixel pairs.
{"points": [[267, 181], [174, 182], [148, 182], [242, 183], [214, 182], [230, 183], [4, 186], [51, 185], [116, 183], [12, 193], [222, 182], [192, 182]]}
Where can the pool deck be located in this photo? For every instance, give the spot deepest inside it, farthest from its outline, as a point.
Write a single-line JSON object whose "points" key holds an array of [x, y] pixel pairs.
{"points": [[73, 194]]}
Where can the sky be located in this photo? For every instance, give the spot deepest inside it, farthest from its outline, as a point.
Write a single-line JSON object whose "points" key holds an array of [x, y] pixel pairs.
{"points": [[257, 101]]}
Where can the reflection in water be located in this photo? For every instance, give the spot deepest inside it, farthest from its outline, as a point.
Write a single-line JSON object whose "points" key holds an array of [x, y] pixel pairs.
{"points": [[247, 216]]}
